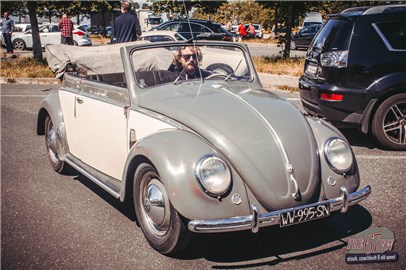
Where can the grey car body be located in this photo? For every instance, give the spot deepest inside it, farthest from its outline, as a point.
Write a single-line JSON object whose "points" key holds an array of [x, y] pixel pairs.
{"points": [[226, 154]]}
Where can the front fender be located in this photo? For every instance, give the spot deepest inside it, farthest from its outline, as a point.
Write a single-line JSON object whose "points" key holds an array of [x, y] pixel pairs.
{"points": [[322, 131], [175, 153]]}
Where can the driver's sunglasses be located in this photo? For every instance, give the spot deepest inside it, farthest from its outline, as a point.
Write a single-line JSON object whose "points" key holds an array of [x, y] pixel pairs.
{"points": [[187, 56]]}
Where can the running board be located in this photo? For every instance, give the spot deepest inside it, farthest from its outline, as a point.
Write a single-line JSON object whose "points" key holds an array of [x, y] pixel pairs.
{"points": [[109, 184]]}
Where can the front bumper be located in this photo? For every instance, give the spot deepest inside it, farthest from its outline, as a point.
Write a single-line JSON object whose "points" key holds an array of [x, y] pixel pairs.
{"points": [[257, 220]]}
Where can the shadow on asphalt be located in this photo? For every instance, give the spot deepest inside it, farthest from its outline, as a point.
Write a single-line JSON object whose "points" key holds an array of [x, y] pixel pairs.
{"points": [[273, 242], [357, 138], [126, 208], [269, 243]]}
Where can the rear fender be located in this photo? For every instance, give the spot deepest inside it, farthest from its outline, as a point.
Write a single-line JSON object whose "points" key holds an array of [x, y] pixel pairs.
{"points": [[52, 107], [175, 153]]}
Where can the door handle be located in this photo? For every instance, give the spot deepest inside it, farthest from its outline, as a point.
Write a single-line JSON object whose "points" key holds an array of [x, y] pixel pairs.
{"points": [[79, 100]]}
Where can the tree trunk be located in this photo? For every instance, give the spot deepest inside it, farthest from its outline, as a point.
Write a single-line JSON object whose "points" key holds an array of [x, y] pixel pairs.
{"points": [[286, 51], [36, 41]]}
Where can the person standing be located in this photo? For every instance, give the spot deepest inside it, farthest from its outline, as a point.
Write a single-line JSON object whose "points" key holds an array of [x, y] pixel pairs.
{"points": [[66, 27], [7, 30], [251, 30], [242, 32], [126, 26]]}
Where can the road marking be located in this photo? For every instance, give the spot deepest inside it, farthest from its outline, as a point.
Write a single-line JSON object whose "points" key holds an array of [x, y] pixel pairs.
{"points": [[380, 157], [22, 95]]}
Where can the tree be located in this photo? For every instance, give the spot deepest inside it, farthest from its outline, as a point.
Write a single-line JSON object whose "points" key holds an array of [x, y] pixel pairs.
{"points": [[36, 41]]}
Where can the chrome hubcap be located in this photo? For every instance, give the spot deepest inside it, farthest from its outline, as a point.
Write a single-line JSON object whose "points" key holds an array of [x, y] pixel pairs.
{"points": [[155, 206], [394, 124]]}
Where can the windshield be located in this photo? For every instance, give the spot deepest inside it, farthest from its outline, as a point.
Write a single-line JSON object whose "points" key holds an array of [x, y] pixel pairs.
{"points": [[177, 64], [334, 36]]}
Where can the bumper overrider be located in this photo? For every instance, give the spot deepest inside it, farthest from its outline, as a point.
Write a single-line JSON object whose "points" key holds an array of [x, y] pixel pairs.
{"points": [[257, 220]]}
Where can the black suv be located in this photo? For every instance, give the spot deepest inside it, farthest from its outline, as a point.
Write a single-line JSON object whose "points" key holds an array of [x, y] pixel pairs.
{"points": [[355, 72], [197, 29]]}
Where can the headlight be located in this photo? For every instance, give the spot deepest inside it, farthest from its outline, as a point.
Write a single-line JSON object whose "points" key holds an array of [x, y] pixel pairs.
{"points": [[214, 175], [339, 155]]}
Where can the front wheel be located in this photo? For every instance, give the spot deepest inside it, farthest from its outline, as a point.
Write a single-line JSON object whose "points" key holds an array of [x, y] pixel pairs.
{"points": [[161, 224], [389, 122]]}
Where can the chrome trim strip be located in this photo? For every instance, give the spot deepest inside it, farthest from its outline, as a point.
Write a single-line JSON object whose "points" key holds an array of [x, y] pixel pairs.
{"points": [[107, 183], [255, 220]]}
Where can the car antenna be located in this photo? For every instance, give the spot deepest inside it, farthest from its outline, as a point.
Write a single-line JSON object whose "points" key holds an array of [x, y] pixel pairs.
{"points": [[192, 38]]}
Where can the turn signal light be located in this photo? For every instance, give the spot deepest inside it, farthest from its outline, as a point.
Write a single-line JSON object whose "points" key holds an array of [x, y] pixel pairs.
{"points": [[331, 97]]}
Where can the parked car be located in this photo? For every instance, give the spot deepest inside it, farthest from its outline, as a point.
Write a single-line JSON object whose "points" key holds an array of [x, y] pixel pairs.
{"points": [[194, 28], [312, 18], [49, 34], [259, 30], [203, 155], [355, 73], [19, 29], [162, 35], [304, 37]]}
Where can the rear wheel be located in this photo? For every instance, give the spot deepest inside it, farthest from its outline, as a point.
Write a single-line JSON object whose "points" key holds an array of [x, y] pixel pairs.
{"points": [[52, 147], [161, 224], [389, 122], [19, 44]]}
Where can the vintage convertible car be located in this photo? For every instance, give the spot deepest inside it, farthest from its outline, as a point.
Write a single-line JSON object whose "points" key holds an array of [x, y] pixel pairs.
{"points": [[205, 155]]}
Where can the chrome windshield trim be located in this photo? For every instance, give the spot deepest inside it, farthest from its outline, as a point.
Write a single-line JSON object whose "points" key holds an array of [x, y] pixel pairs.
{"points": [[257, 220]]}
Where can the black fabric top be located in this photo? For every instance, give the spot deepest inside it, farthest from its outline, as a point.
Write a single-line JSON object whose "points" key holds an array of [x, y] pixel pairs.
{"points": [[126, 27]]}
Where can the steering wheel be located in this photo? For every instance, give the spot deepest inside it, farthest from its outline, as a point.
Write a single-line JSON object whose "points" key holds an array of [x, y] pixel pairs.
{"points": [[220, 68]]}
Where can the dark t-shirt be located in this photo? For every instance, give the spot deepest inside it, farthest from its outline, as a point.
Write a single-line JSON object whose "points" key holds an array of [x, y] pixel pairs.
{"points": [[126, 27]]}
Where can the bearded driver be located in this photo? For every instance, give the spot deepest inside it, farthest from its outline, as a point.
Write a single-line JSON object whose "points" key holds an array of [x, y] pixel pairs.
{"points": [[186, 61]]}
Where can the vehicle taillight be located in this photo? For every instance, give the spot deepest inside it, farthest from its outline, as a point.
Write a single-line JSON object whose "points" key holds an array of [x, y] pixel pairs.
{"points": [[79, 33], [226, 38], [336, 59], [331, 97]]}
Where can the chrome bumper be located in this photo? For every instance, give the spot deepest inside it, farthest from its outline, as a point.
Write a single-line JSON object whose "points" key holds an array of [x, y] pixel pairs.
{"points": [[257, 220]]}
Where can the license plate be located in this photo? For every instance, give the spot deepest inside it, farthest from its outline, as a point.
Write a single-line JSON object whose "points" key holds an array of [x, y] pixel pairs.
{"points": [[304, 214], [311, 69]]}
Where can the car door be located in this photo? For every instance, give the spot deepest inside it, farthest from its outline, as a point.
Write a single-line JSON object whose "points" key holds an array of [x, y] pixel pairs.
{"points": [[54, 35], [96, 125]]}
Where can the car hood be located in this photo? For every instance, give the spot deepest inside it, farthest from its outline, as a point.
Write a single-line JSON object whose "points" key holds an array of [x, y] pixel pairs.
{"points": [[266, 139]]}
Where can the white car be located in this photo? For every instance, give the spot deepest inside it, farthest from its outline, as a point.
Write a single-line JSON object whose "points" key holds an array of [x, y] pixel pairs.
{"points": [[162, 35], [49, 34]]}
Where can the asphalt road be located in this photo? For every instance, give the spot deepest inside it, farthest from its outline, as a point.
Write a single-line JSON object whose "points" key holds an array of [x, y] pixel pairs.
{"points": [[51, 221]]}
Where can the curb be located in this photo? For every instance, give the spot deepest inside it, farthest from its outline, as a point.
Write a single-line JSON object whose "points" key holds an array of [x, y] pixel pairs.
{"points": [[268, 81], [30, 80]]}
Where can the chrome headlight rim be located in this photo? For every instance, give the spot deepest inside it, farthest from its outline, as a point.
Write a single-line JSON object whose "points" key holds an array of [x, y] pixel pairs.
{"points": [[327, 155], [198, 169]]}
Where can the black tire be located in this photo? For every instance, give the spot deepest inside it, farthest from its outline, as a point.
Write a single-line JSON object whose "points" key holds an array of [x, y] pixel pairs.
{"points": [[293, 45], [19, 44], [50, 142], [220, 68], [161, 224], [389, 123]]}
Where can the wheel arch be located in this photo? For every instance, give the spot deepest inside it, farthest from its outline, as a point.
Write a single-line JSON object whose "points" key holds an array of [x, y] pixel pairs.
{"points": [[173, 154], [382, 89]]}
